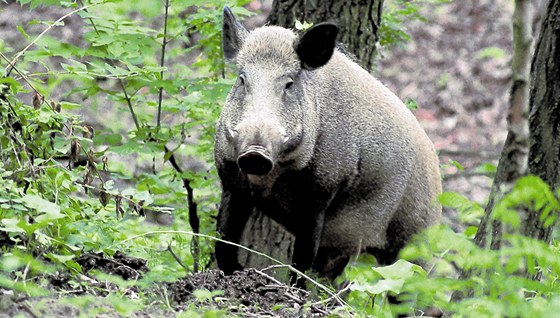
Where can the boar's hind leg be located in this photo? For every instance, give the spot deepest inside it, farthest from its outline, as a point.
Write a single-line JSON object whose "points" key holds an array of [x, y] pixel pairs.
{"points": [[396, 240], [233, 214], [330, 262]]}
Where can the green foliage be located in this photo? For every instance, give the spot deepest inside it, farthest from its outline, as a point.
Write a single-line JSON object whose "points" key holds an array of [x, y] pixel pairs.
{"points": [[469, 212], [395, 12], [497, 286], [82, 141]]}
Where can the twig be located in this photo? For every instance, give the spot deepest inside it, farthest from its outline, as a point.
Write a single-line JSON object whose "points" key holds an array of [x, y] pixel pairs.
{"points": [[90, 19], [28, 309], [194, 221], [279, 284], [270, 278], [129, 103], [193, 215], [290, 288], [162, 62], [170, 249], [274, 267], [20, 74], [335, 296]]}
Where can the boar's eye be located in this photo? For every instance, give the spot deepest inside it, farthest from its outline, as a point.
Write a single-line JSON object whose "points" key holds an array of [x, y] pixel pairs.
{"points": [[242, 79], [289, 84]]}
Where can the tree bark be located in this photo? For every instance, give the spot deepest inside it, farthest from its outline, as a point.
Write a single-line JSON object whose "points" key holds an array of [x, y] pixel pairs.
{"points": [[264, 235], [544, 117], [359, 23], [358, 20]]}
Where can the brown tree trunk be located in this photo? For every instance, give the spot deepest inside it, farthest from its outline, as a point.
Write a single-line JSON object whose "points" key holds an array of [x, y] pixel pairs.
{"points": [[264, 235], [359, 23], [358, 20], [544, 116]]}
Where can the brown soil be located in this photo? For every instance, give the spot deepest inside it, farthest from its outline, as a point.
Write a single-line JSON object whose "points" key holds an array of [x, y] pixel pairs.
{"points": [[250, 292], [247, 293]]}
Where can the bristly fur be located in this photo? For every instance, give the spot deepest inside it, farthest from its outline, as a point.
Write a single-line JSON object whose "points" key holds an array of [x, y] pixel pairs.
{"points": [[310, 138]]}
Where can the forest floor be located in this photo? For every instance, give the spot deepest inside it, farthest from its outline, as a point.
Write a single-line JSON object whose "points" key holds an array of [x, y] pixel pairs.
{"points": [[456, 67]]}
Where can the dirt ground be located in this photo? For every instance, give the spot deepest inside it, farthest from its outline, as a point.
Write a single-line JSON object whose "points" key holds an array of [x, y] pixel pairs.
{"points": [[462, 94]]}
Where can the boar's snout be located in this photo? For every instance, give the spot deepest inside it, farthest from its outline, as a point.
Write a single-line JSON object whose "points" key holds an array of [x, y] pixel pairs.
{"points": [[255, 160]]}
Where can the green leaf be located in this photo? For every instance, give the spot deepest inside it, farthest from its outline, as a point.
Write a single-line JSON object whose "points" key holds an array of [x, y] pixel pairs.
{"points": [[487, 167], [107, 139], [70, 106], [456, 164], [22, 31], [384, 285], [130, 146], [471, 231], [14, 85], [60, 258], [411, 104], [36, 3], [204, 294], [492, 52], [51, 211], [400, 269], [469, 211], [302, 26], [13, 225], [11, 262], [76, 67]]}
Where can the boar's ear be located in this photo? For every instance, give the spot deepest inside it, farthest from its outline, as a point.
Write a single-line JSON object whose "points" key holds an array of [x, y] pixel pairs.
{"points": [[316, 45], [233, 34]]}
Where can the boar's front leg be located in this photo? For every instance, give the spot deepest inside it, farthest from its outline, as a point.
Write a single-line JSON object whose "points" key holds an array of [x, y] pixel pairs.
{"points": [[235, 209], [310, 209], [308, 236]]}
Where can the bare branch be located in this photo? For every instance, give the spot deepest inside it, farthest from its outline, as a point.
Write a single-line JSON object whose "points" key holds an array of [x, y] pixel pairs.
{"points": [[162, 62]]}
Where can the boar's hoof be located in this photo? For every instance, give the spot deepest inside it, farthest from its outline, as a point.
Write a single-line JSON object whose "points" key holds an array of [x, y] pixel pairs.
{"points": [[255, 161]]}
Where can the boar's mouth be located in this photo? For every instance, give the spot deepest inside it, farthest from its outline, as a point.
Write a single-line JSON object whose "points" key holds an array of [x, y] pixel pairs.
{"points": [[255, 160]]}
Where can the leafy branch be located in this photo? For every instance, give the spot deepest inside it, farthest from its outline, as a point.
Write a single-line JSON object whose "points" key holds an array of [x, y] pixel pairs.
{"points": [[193, 216], [20, 53]]}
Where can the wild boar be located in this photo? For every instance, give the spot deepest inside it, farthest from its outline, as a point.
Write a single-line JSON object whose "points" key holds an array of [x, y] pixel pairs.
{"points": [[315, 142]]}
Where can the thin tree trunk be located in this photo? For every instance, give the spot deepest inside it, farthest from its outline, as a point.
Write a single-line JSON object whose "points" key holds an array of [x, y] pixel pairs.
{"points": [[513, 162]]}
